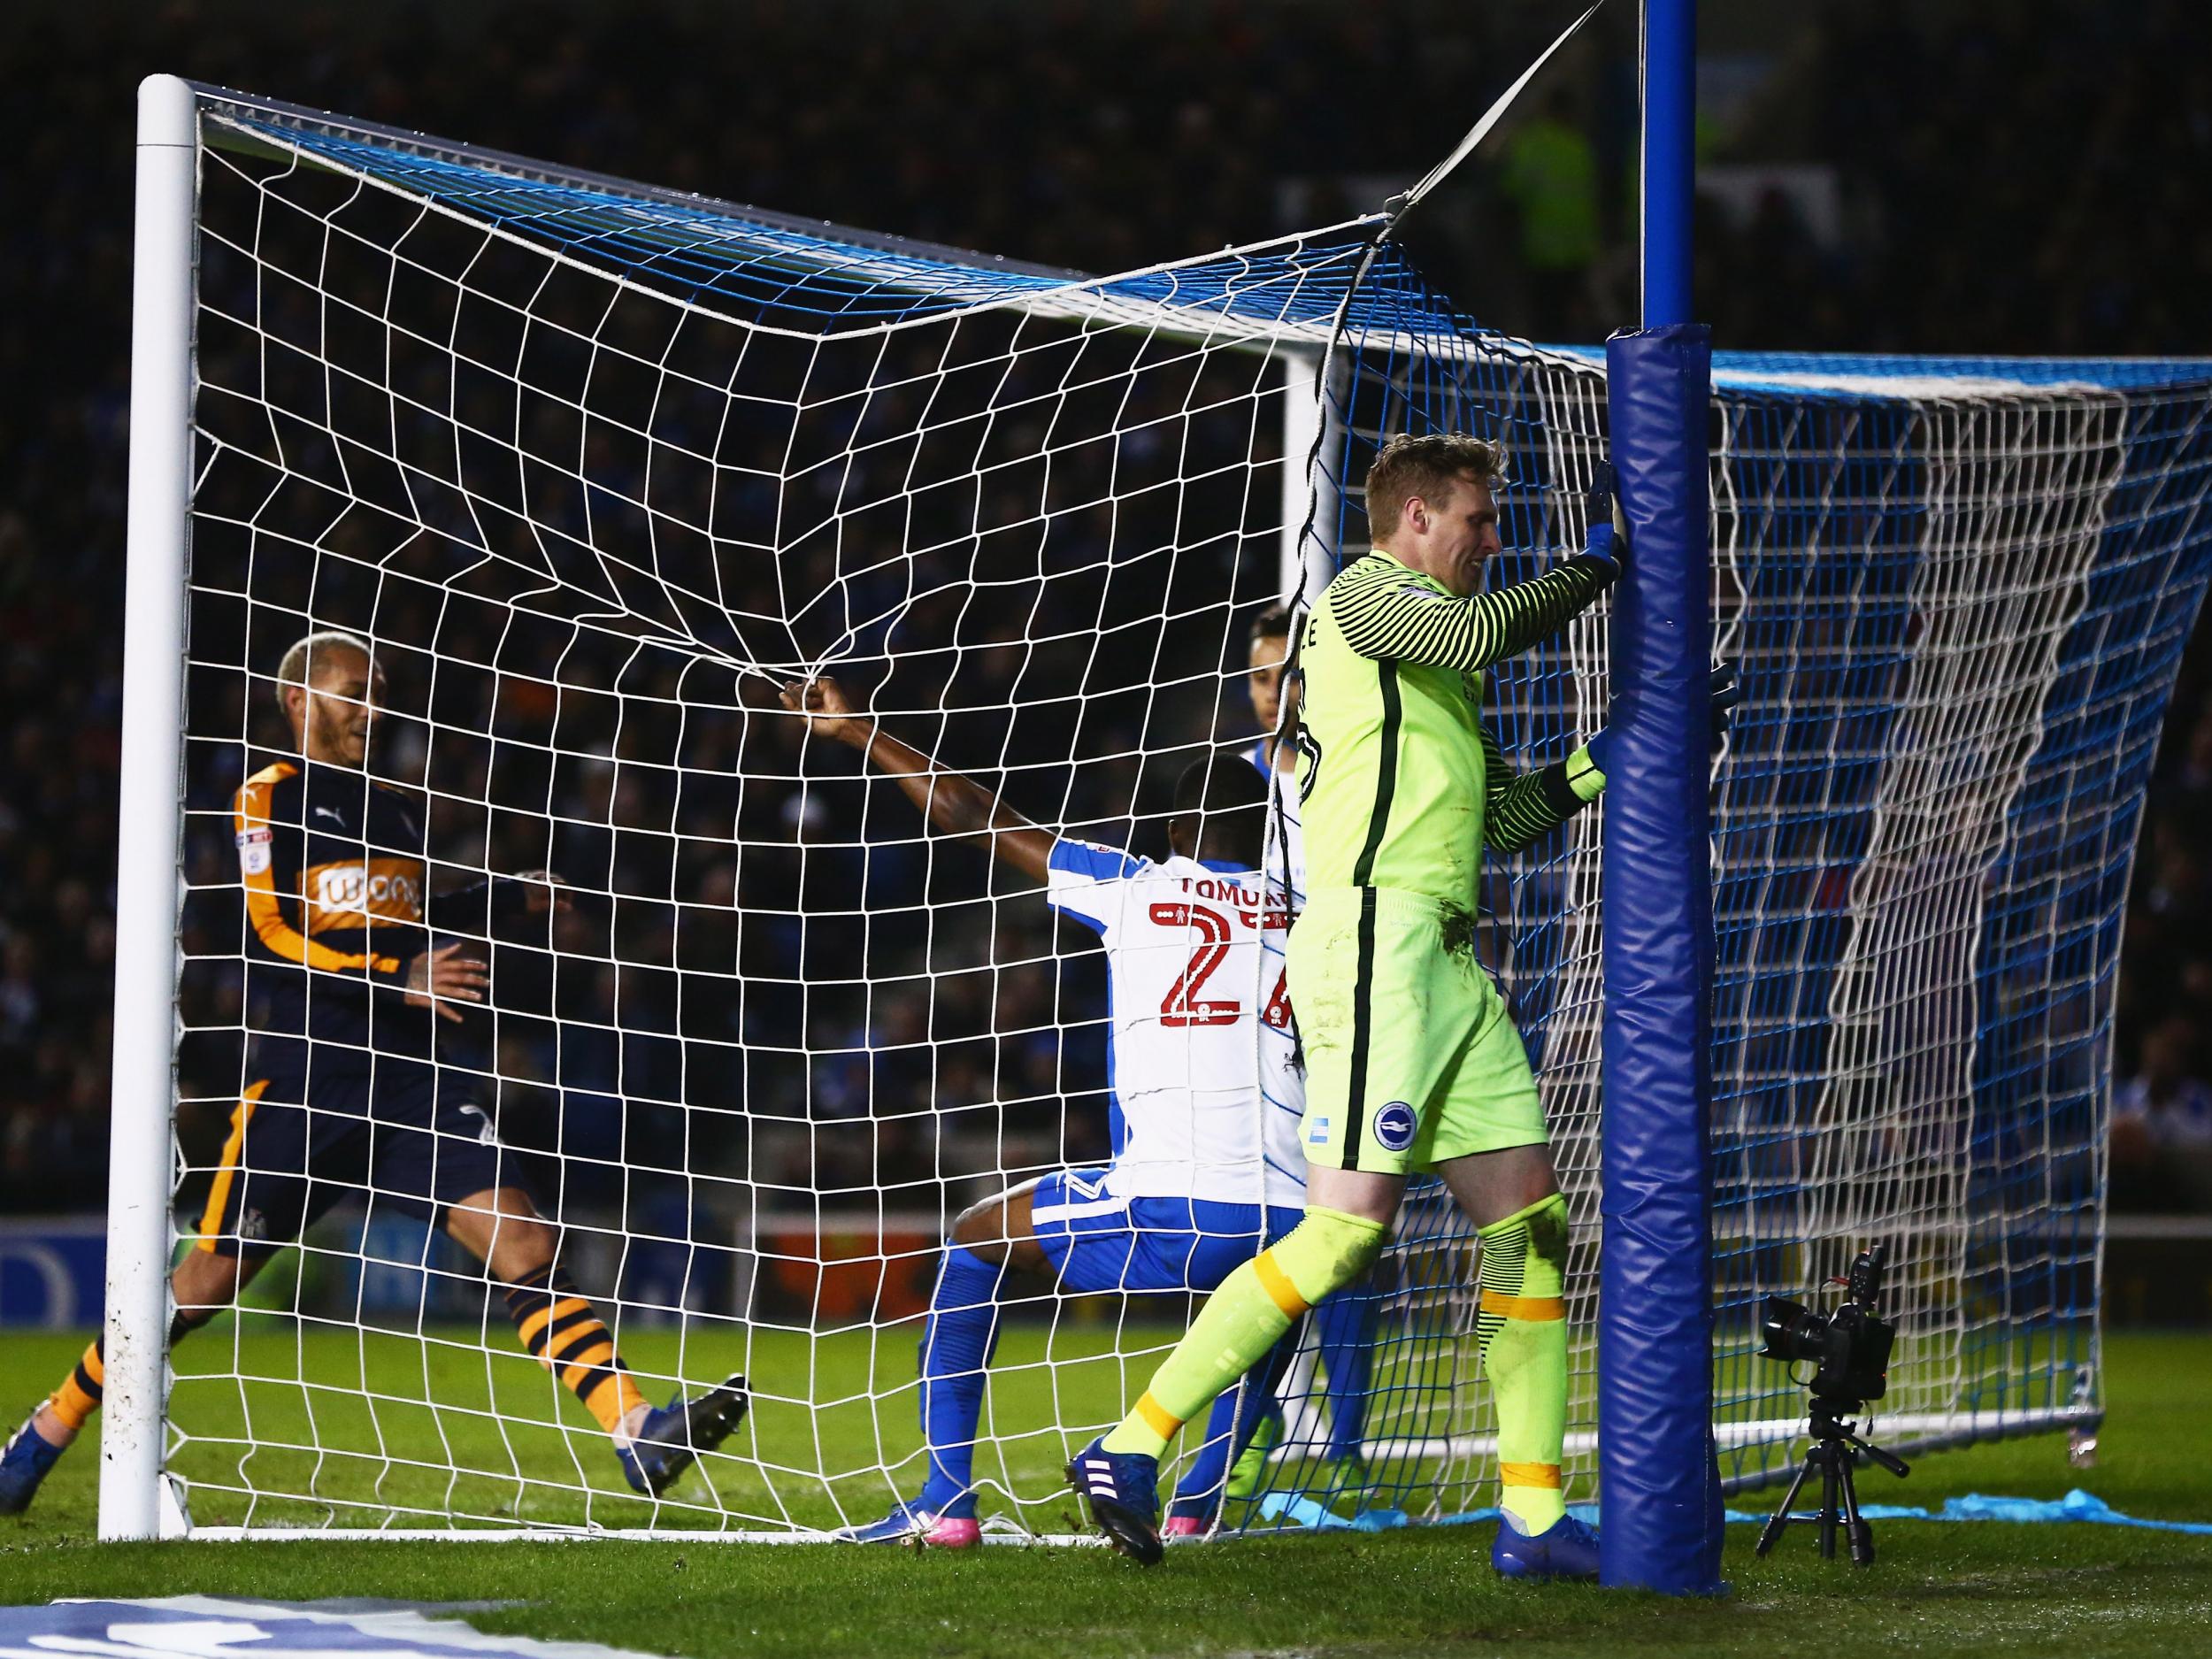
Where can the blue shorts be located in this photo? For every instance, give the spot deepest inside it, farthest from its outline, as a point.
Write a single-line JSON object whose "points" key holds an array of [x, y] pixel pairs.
{"points": [[1097, 1241], [415, 1136]]}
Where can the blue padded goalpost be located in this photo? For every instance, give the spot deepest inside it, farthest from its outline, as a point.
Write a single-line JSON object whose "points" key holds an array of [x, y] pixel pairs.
{"points": [[1658, 1478]]}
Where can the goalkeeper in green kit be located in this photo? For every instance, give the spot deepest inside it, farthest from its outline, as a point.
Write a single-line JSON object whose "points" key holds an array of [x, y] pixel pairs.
{"points": [[1412, 1061]]}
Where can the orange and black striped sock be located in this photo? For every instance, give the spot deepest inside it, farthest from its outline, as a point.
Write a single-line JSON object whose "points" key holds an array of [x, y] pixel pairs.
{"points": [[557, 1325], [79, 1395]]}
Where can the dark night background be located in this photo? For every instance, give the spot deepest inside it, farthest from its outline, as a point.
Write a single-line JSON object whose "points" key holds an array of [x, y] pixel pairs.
{"points": [[2026, 178]]}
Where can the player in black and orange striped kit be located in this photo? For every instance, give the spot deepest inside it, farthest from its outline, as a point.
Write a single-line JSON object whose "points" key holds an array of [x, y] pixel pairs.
{"points": [[347, 982]]}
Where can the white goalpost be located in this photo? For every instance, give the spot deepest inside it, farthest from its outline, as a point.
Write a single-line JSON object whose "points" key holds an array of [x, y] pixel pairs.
{"points": [[147, 872], [595, 468]]}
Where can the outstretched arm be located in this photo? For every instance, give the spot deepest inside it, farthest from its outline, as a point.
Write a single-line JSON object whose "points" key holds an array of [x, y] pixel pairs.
{"points": [[1384, 612], [1518, 807], [958, 806], [478, 908], [1384, 615]]}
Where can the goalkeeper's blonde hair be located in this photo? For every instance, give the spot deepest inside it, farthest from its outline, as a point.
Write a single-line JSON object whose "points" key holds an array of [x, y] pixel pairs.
{"points": [[1428, 464], [297, 666]]}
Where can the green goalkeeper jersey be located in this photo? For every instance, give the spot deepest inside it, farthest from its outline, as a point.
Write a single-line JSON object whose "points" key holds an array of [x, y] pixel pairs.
{"points": [[1403, 784]]}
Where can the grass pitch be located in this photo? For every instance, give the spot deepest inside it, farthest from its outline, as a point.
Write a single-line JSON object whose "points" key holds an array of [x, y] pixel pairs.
{"points": [[1937, 1589]]}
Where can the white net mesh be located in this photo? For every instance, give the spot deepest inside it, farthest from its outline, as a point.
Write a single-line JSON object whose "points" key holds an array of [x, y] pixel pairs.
{"points": [[595, 470]]}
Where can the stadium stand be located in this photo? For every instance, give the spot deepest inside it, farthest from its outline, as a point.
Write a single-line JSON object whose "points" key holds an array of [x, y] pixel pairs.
{"points": [[1229, 136]]}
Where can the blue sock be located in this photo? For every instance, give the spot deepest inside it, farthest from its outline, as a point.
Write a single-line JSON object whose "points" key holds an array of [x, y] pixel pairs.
{"points": [[1236, 1415], [957, 1343], [1347, 1335]]}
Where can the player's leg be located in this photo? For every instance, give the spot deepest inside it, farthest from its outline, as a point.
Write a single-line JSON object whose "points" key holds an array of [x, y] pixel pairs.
{"points": [[1344, 1330], [258, 1202], [436, 1150], [1522, 1323], [992, 1243], [562, 1330], [553, 1320], [203, 1284], [1359, 977], [51, 1428], [1239, 1416], [436, 1155], [1488, 1144], [1232, 1431], [1252, 1311], [1179, 1243]]}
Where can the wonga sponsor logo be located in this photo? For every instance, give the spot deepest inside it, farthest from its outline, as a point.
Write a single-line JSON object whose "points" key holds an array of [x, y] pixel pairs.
{"points": [[387, 888]]}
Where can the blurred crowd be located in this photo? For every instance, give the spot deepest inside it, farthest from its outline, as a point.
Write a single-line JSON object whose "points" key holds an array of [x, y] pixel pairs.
{"points": [[1950, 209], [2161, 1109]]}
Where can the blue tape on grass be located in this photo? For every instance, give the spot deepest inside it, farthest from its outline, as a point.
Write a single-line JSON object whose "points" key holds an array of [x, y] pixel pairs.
{"points": [[2075, 1506], [1281, 1506]]}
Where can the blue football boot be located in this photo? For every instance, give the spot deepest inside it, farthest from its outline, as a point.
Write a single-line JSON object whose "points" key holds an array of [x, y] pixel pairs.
{"points": [[910, 1523], [670, 1437], [1567, 1549], [1123, 1489], [23, 1465]]}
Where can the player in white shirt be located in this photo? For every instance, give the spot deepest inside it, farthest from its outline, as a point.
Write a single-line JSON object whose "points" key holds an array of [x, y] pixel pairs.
{"points": [[1344, 1325], [1206, 1098]]}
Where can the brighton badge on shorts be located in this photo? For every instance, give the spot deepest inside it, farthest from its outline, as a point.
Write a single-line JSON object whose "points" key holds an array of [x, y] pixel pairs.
{"points": [[1395, 1124]]}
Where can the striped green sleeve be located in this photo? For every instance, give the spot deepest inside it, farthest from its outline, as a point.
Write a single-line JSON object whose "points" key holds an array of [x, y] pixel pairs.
{"points": [[1386, 613], [1519, 808]]}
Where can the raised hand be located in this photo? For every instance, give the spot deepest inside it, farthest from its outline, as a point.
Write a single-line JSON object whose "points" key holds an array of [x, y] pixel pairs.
{"points": [[829, 714], [1609, 525], [438, 978]]}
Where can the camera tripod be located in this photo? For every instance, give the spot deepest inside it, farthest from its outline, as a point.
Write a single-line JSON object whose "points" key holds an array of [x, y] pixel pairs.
{"points": [[1835, 1444]]}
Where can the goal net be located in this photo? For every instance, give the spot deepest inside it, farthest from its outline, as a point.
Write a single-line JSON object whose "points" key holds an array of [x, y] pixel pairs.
{"points": [[597, 468]]}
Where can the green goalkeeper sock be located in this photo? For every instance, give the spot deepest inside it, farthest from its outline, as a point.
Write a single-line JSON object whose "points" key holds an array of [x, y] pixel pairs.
{"points": [[1522, 1331], [1245, 1317]]}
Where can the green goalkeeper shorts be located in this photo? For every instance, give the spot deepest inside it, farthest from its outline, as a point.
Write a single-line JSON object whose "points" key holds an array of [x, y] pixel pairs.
{"points": [[1411, 1059]]}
